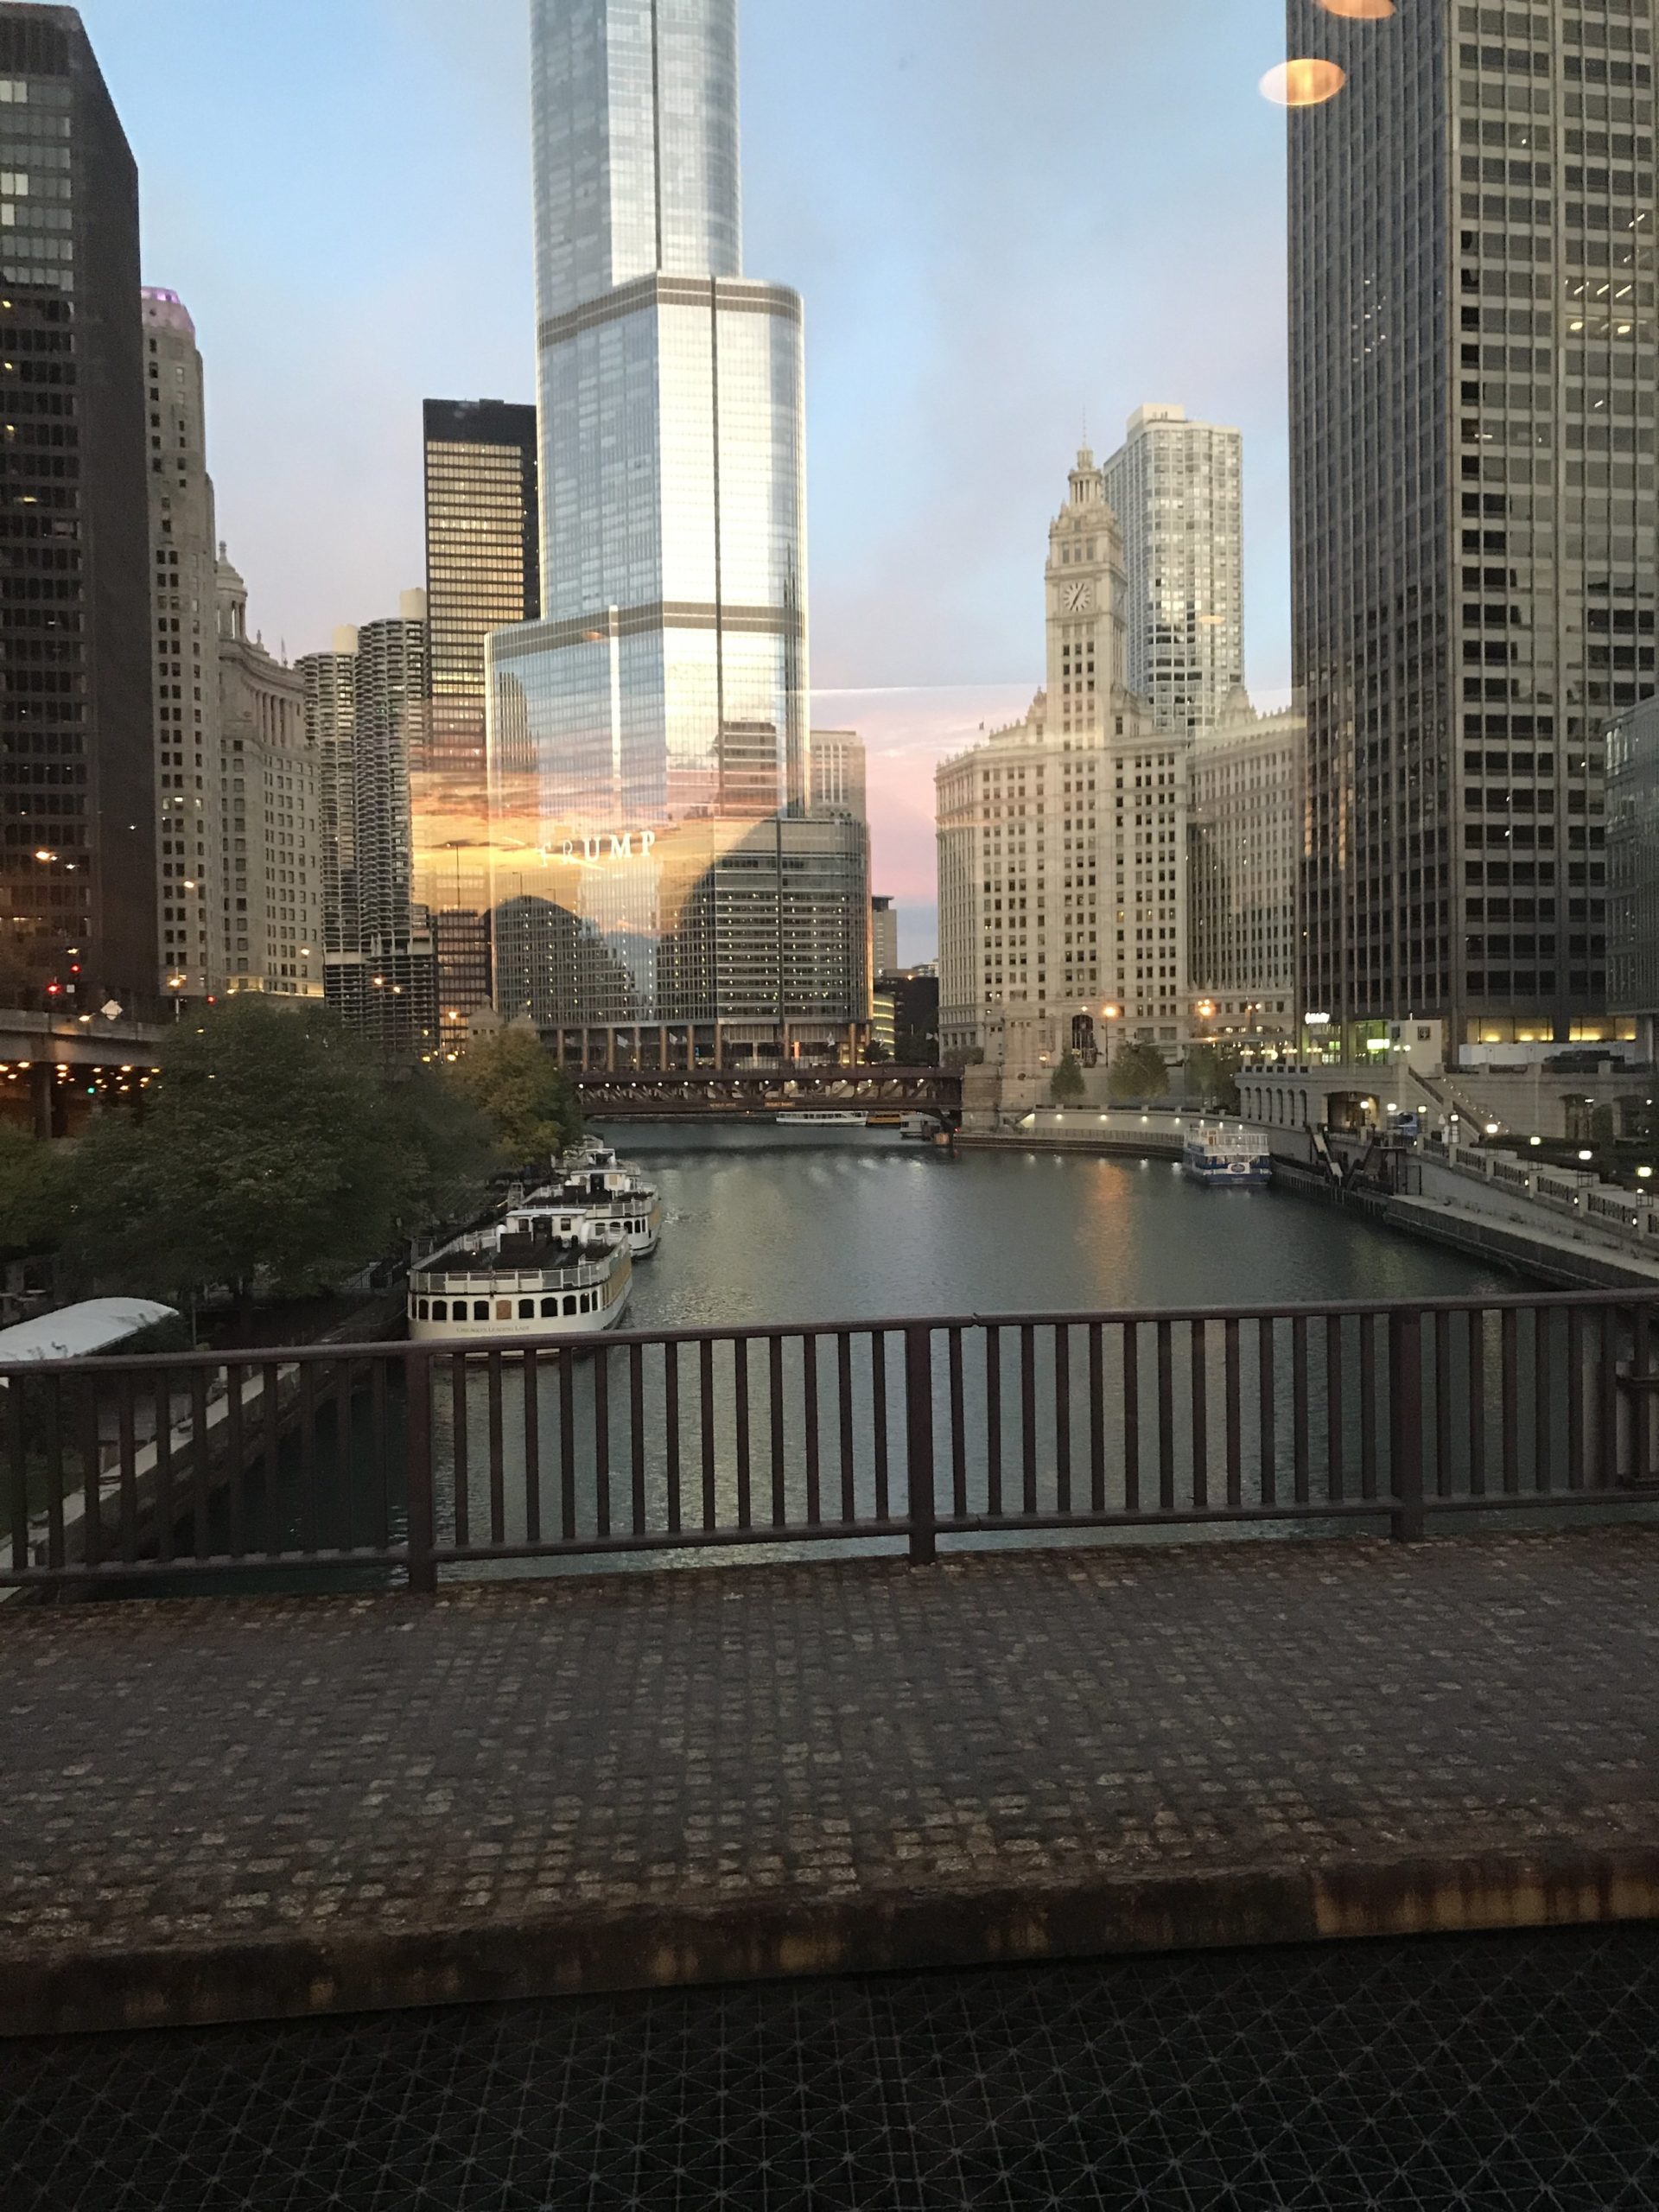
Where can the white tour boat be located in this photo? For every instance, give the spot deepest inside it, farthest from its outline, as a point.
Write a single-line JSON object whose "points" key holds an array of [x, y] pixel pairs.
{"points": [[619, 1206], [1235, 1159], [517, 1282], [823, 1117]]}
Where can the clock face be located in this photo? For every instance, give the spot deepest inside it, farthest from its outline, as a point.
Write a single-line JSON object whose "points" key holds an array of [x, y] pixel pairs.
{"points": [[1077, 598]]}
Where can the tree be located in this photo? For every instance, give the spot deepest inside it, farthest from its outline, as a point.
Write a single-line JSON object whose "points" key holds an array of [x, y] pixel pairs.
{"points": [[1137, 1071], [1211, 1077], [34, 1191], [276, 1153], [523, 1093], [1066, 1086]]}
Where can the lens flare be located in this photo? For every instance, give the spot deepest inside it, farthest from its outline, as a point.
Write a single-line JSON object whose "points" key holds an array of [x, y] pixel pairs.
{"points": [[1304, 83], [1359, 11]]}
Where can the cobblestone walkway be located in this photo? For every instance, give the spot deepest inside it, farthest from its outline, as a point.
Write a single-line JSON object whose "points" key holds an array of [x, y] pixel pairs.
{"points": [[251, 1808]]}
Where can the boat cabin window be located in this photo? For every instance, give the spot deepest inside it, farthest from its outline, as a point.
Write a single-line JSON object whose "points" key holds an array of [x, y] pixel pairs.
{"points": [[569, 1304], [503, 1309], [480, 1309], [526, 1309], [440, 1309], [549, 1308]]}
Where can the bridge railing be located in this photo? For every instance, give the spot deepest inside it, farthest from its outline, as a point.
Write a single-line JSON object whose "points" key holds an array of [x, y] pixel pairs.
{"points": [[415, 1464]]}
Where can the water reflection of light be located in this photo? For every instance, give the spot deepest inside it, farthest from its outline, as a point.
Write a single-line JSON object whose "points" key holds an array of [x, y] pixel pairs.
{"points": [[1303, 83], [1361, 11]]}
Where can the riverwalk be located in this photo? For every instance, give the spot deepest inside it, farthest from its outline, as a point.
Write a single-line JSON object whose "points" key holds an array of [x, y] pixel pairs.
{"points": [[243, 1809]]}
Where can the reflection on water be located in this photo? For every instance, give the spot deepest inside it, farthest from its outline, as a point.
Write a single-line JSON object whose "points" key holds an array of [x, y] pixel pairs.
{"points": [[768, 1225], [776, 1224], [773, 1226]]}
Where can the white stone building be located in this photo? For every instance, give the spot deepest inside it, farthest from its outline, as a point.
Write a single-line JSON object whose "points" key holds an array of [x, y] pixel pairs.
{"points": [[270, 785], [1063, 840], [1176, 488], [1244, 855]]}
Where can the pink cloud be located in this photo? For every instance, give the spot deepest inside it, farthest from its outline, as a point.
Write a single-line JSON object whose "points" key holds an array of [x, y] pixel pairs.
{"points": [[907, 731]]}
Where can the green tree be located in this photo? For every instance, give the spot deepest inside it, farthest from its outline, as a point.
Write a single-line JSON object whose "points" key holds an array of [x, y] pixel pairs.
{"points": [[1137, 1071], [276, 1153], [523, 1093], [1066, 1086], [1211, 1077], [34, 1191]]}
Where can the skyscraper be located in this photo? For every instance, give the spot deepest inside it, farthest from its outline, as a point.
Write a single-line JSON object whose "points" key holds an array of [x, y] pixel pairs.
{"points": [[1245, 851], [839, 773], [270, 804], [193, 893], [483, 572], [1176, 488], [1063, 840], [884, 936], [651, 728], [367, 706], [1474, 358], [78, 859]]}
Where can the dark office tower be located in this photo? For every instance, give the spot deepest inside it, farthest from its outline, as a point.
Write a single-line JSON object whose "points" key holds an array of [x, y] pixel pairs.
{"points": [[482, 573], [77, 775], [1473, 502]]}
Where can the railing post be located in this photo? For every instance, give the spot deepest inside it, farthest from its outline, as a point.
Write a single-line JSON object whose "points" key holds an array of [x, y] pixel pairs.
{"points": [[1406, 1426], [418, 1408], [919, 1432]]}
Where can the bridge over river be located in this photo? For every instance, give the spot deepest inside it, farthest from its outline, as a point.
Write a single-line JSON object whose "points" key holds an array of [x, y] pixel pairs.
{"points": [[644, 1094], [1129, 1689]]}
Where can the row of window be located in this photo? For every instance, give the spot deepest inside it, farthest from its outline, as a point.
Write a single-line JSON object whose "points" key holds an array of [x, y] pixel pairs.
{"points": [[443, 1309]]}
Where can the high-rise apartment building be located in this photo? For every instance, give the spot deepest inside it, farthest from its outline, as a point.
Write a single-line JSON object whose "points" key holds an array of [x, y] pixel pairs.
{"points": [[839, 773], [651, 722], [1244, 865], [366, 705], [1063, 840], [329, 683], [1177, 489], [192, 893], [77, 833], [270, 807], [483, 573], [1474, 358], [884, 936]]}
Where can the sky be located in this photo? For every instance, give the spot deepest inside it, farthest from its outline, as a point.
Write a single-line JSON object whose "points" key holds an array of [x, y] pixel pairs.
{"points": [[1010, 220]]}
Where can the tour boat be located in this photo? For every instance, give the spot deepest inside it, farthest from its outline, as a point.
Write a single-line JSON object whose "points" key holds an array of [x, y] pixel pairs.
{"points": [[1228, 1159], [822, 1117], [513, 1281], [619, 1206]]}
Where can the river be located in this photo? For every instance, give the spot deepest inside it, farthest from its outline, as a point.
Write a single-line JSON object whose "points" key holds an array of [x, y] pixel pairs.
{"points": [[766, 1225], [769, 1224]]}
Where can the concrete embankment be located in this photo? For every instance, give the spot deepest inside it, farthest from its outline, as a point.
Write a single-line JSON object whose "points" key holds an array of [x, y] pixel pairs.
{"points": [[1468, 1215]]}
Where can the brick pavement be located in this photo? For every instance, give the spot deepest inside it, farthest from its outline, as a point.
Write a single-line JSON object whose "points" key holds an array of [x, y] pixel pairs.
{"points": [[246, 1808]]}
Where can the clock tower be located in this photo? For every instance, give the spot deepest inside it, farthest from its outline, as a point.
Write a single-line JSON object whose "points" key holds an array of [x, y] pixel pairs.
{"points": [[1087, 651]]}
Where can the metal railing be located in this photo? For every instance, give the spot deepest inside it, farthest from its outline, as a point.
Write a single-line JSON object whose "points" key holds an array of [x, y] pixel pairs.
{"points": [[417, 1461]]}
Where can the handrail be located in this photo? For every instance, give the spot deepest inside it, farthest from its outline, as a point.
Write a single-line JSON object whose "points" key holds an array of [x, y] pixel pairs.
{"points": [[888, 1324], [423, 1458]]}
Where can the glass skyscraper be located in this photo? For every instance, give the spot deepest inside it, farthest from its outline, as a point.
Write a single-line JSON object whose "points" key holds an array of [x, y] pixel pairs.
{"points": [[1176, 489], [1474, 344], [78, 798], [652, 725], [483, 570]]}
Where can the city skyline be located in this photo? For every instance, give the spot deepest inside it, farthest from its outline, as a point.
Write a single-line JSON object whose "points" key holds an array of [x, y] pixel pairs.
{"points": [[934, 431]]}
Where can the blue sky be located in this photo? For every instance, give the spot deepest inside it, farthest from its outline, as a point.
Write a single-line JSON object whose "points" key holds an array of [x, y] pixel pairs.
{"points": [[1006, 216]]}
